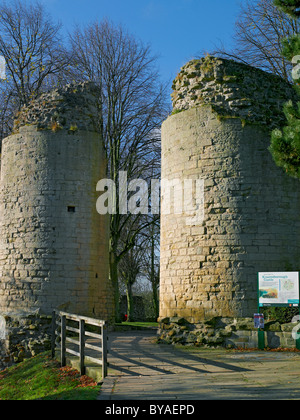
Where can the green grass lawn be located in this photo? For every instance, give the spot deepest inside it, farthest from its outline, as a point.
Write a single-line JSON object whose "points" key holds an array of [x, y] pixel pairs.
{"points": [[41, 378], [137, 324]]}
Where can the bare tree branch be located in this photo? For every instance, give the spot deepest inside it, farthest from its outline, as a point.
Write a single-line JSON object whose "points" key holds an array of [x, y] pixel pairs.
{"points": [[260, 29], [34, 56]]}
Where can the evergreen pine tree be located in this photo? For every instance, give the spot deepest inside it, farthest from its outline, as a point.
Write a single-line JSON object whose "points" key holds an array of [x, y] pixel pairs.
{"points": [[285, 143], [291, 7]]}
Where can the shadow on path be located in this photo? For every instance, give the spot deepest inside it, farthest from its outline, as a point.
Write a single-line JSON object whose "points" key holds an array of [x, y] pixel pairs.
{"points": [[129, 353], [143, 370]]}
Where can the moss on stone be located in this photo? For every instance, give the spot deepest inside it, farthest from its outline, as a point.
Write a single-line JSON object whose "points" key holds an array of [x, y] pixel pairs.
{"points": [[234, 90]]}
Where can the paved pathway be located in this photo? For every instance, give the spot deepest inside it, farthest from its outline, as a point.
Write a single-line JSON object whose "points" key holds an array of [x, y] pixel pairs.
{"points": [[142, 370]]}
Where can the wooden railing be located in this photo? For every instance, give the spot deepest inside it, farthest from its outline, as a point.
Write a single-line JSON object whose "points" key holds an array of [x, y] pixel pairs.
{"points": [[78, 334]]}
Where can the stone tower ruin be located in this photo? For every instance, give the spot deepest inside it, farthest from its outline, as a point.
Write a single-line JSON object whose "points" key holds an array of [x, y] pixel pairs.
{"points": [[53, 243], [219, 133]]}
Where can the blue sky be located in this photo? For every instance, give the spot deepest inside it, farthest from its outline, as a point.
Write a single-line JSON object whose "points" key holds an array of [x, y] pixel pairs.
{"points": [[177, 30]]}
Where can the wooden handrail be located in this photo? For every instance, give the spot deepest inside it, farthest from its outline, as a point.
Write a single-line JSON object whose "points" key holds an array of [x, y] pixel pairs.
{"points": [[81, 341]]}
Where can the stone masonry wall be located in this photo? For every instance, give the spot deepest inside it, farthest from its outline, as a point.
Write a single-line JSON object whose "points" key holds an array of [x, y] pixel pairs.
{"points": [[53, 243], [219, 133], [226, 332], [72, 107], [232, 90]]}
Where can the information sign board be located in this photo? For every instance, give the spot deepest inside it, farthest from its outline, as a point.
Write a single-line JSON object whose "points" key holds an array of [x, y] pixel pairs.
{"points": [[278, 289]]}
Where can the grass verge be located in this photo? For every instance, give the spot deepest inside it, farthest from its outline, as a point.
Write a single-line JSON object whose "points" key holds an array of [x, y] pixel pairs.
{"points": [[137, 324], [42, 378]]}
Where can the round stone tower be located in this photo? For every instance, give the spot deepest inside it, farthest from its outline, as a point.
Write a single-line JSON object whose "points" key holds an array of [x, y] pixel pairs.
{"points": [[53, 243], [232, 212]]}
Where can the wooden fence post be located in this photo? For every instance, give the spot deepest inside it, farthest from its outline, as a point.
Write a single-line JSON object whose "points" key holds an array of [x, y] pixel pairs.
{"points": [[81, 342], [81, 345], [53, 337], [63, 341], [104, 349]]}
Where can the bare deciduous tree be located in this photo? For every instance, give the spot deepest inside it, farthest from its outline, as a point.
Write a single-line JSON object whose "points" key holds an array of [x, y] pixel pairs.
{"points": [[130, 268], [142, 263], [132, 105], [260, 29], [34, 56], [152, 264]]}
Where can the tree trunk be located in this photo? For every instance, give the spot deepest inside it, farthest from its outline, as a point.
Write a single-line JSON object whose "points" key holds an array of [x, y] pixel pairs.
{"points": [[129, 301], [152, 279], [155, 300], [113, 272]]}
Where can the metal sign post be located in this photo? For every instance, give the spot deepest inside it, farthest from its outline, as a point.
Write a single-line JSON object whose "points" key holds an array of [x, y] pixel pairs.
{"points": [[260, 331]]}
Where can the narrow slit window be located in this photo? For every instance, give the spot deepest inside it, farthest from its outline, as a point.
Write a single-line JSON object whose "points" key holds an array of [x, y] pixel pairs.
{"points": [[71, 209]]}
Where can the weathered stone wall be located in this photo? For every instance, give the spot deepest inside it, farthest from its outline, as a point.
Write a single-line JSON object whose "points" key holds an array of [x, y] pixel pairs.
{"points": [[53, 243], [251, 217], [233, 90], [72, 107], [226, 332], [23, 337]]}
